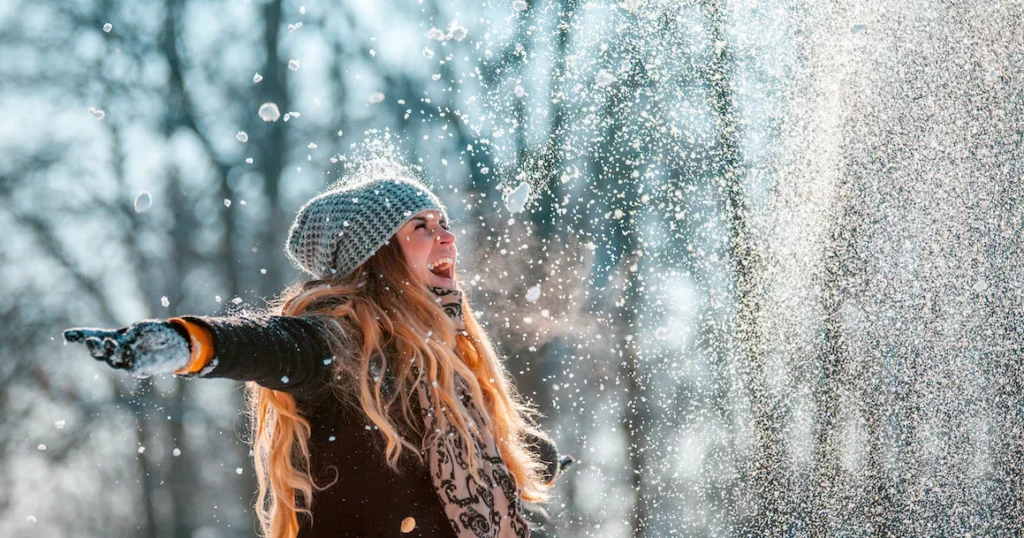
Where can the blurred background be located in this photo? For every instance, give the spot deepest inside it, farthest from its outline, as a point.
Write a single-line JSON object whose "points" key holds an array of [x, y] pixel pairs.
{"points": [[758, 262]]}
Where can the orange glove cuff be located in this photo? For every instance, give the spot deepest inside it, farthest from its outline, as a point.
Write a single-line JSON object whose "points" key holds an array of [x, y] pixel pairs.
{"points": [[201, 343]]}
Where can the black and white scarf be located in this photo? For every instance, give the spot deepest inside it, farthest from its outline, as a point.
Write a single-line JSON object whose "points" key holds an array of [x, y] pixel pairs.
{"points": [[488, 508]]}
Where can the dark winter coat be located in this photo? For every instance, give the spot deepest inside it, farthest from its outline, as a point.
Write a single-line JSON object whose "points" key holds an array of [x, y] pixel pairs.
{"points": [[369, 499]]}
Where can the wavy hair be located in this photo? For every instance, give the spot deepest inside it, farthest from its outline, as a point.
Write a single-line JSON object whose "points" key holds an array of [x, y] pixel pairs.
{"points": [[377, 321]]}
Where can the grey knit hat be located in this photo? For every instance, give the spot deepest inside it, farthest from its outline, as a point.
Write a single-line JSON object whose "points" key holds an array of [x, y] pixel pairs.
{"points": [[343, 226]]}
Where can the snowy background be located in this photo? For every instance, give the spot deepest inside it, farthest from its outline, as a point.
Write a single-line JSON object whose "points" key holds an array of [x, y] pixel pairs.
{"points": [[758, 262]]}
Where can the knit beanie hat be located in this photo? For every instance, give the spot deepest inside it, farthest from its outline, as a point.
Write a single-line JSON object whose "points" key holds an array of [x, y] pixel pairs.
{"points": [[343, 226]]}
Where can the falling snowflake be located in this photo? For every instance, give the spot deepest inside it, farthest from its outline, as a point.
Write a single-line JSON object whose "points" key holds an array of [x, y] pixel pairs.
{"points": [[604, 79], [269, 112], [516, 200], [143, 202]]}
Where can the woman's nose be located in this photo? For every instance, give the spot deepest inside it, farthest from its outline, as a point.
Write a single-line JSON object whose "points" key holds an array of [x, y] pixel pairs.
{"points": [[446, 236]]}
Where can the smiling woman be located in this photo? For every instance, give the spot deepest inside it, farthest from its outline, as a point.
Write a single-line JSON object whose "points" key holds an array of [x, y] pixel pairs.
{"points": [[429, 248], [378, 404]]}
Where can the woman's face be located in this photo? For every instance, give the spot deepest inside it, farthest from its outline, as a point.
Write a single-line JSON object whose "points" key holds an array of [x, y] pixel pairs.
{"points": [[429, 248]]}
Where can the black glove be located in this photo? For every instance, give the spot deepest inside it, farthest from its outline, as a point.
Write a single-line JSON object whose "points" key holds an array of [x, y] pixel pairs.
{"points": [[547, 451], [143, 349]]}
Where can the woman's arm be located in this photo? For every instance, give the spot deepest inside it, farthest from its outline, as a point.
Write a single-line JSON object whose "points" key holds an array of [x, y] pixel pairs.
{"points": [[286, 353]]}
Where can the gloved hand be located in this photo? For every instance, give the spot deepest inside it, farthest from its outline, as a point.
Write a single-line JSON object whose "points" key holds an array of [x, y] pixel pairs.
{"points": [[548, 452], [143, 349]]}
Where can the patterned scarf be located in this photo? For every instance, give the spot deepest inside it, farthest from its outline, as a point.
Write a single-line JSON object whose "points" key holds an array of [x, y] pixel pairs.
{"points": [[475, 510]]}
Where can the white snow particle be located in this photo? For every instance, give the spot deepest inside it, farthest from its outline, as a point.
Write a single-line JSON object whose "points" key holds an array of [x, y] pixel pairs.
{"points": [[176, 452], [858, 27], [97, 113], [142, 449], [227, 202], [436, 34], [238, 470], [284, 379], [533, 293], [331, 438], [604, 79], [293, 65], [257, 78], [456, 32], [516, 200], [41, 446], [428, 52], [143, 202], [31, 519], [209, 368], [520, 5], [376, 97], [519, 91], [242, 136], [269, 112], [59, 424], [165, 302], [108, 27]]}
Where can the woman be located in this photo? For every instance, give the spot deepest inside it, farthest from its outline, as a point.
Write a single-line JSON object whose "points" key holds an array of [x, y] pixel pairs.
{"points": [[378, 405]]}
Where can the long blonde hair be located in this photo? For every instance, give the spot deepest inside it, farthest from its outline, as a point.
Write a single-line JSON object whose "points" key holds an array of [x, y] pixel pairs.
{"points": [[377, 321]]}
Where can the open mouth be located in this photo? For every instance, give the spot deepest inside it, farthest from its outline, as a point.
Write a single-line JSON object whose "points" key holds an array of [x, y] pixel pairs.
{"points": [[443, 267]]}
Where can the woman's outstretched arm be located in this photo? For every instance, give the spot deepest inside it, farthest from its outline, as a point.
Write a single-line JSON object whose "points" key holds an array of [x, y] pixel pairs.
{"points": [[287, 353]]}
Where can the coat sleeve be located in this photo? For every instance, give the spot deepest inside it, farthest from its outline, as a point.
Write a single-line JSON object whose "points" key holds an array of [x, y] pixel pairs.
{"points": [[285, 353]]}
